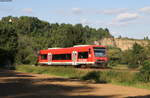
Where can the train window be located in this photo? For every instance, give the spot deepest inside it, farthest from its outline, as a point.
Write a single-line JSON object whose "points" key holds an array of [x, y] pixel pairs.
{"points": [[61, 57], [83, 55], [99, 51], [44, 56]]}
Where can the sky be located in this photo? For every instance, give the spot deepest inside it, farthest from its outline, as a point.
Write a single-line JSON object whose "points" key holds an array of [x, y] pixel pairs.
{"points": [[128, 18]]}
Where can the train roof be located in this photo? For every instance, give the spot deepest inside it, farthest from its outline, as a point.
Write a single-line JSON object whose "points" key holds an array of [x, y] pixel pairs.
{"points": [[92, 45], [75, 47]]}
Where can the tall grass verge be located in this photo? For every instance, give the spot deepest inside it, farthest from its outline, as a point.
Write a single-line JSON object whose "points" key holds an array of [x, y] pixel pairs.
{"points": [[68, 72], [109, 76]]}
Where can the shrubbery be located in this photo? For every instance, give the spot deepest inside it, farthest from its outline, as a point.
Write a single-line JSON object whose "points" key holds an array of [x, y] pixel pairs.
{"points": [[114, 55], [93, 75], [144, 74], [133, 58]]}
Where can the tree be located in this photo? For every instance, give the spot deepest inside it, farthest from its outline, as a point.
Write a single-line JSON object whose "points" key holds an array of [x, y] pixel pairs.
{"points": [[146, 38], [8, 43], [137, 56], [144, 74], [119, 36], [114, 55]]}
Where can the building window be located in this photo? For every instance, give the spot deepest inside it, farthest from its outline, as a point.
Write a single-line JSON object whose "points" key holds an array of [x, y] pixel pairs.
{"points": [[83, 55], [61, 57], [43, 56]]}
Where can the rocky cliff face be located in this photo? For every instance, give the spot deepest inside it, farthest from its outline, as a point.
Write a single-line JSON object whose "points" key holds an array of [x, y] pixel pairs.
{"points": [[123, 44]]}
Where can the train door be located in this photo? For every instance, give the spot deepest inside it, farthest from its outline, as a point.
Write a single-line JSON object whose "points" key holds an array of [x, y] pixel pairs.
{"points": [[49, 58], [74, 58]]}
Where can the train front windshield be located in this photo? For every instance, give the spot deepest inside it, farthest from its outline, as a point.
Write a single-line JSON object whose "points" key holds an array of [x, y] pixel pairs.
{"points": [[99, 51]]}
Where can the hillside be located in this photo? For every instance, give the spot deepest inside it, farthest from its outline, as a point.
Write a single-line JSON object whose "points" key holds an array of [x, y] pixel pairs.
{"points": [[122, 43]]}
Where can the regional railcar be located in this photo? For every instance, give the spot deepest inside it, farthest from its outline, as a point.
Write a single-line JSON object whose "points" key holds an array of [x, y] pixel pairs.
{"points": [[79, 55]]}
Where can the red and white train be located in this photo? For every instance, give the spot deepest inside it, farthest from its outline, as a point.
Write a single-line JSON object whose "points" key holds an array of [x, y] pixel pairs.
{"points": [[89, 55]]}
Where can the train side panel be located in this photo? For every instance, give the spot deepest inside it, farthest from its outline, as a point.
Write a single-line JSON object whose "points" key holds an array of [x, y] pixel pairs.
{"points": [[71, 56]]}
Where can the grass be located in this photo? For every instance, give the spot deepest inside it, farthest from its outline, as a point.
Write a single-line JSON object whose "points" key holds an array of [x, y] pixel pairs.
{"points": [[120, 66], [125, 78], [123, 67], [68, 72], [136, 85]]}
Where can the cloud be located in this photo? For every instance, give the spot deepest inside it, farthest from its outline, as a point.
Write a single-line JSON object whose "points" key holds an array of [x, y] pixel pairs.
{"points": [[117, 23], [124, 19], [113, 11], [92, 22], [28, 10], [71, 11], [145, 9], [85, 21], [77, 11], [127, 17]]}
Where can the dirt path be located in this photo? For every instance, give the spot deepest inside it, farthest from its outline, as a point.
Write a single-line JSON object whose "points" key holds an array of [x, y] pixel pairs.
{"points": [[24, 85]]}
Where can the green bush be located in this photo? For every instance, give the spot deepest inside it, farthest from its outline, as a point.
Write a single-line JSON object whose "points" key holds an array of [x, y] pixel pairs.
{"points": [[144, 74], [112, 63], [93, 75]]}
